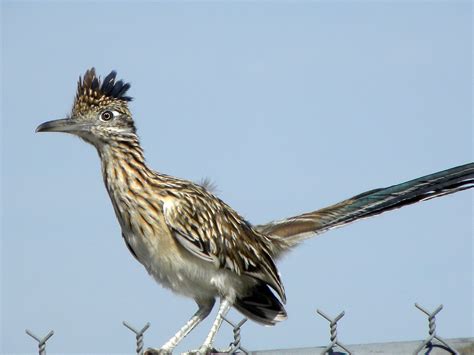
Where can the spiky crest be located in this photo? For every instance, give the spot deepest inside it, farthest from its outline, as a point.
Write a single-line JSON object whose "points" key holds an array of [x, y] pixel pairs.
{"points": [[94, 92]]}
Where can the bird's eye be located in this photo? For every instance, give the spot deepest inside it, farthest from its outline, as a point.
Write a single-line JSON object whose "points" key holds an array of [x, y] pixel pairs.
{"points": [[106, 115]]}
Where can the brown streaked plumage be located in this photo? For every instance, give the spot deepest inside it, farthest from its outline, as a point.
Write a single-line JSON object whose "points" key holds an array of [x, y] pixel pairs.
{"points": [[192, 242]]}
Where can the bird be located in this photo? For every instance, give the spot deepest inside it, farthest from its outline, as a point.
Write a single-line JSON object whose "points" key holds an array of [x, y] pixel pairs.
{"points": [[191, 241]]}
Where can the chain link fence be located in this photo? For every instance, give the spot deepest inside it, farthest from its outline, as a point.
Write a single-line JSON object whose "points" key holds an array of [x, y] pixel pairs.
{"points": [[433, 344]]}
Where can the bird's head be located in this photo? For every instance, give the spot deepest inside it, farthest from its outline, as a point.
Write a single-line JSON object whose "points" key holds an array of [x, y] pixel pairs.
{"points": [[100, 113]]}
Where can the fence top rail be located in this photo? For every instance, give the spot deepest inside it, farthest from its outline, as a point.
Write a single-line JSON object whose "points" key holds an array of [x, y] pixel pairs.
{"points": [[464, 346]]}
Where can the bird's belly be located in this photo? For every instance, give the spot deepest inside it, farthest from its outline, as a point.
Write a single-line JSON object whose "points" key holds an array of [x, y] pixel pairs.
{"points": [[179, 270]]}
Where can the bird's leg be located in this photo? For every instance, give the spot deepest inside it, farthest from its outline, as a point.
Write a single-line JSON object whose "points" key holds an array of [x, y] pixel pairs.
{"points": [[198, 317], [223, 309]]}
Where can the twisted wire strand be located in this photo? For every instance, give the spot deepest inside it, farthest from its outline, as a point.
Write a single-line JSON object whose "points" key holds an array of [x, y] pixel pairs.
{"points": [[138, 336], [41, 342], [333, 333], [428, 342]]}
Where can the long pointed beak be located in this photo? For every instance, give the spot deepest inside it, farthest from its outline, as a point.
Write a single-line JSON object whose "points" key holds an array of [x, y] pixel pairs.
{"points": [[66, 125]]}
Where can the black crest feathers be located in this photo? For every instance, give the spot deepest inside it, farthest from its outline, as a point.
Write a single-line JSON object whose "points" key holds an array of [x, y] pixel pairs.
{"points": [[91, 85]]}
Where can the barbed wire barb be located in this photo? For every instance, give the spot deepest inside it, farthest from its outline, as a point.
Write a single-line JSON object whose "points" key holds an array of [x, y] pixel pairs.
{"points": [[41, 342], [333, 332], [138, 336], [428, 342]]}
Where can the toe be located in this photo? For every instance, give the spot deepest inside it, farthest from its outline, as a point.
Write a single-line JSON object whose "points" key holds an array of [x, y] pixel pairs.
{"points": [[151, 351], [202, 351], [205, 350]]}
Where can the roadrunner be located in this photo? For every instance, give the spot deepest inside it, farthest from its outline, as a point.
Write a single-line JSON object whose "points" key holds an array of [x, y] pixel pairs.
{"points": [[192, 242]]}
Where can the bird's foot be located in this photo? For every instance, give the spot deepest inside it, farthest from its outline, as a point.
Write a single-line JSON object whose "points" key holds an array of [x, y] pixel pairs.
{"points": [[204, 350], [151, 351]]}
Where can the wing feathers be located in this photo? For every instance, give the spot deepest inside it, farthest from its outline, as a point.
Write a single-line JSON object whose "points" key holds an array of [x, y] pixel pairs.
{"points": [[212, 231]]}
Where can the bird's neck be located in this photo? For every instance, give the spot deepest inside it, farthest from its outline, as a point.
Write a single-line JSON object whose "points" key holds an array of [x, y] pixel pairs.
{"points": [[124, 169], [133, 189], [123, 165]]}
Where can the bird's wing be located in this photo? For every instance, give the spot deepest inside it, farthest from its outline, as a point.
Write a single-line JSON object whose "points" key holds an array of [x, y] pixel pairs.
{"points": [[212, 231]]}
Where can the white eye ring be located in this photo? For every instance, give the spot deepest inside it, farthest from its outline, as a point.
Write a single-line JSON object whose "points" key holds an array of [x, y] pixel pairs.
{"points": [[108, 115]]}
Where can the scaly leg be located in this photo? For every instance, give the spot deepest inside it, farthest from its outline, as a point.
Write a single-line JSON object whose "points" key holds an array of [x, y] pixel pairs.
{"points": [[223, 309], [198, 317]]}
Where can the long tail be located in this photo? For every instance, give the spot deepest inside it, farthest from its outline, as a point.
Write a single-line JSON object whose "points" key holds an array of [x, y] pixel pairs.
{"points": [[292, 230]]}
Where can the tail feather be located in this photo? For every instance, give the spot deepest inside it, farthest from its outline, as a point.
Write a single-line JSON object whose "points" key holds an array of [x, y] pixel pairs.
{"points": [[261, 305], [292, 230]]}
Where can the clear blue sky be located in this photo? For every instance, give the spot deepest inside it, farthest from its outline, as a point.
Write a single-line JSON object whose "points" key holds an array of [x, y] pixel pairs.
{"points": [[288, 107]]}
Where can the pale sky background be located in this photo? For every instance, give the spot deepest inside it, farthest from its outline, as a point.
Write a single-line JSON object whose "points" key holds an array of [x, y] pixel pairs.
{"points": [[288, 107]]}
